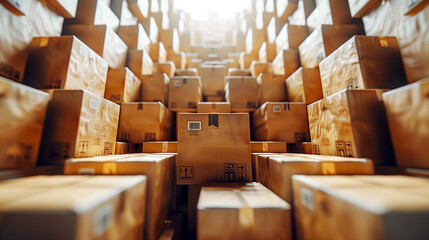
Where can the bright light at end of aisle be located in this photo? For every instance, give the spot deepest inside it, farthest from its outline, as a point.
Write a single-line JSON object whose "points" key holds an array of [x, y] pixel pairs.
{"points": [[200, 9]]}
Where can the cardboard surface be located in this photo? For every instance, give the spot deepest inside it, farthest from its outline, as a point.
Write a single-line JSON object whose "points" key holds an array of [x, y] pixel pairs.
{"points": [[155, 88], [286, 62], [139, 62], [94, 12], [304, 86], [160, 147], [135, 37], [242, 93], [185, 93], [122, 86], [271, 88], [213, 107], [213, 80]]}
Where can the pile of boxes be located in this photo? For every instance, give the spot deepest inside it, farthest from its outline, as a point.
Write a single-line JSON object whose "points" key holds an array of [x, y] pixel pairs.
{"points": [[228, 135]]}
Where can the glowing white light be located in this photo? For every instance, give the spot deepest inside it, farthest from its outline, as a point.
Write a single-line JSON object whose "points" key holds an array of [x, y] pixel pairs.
{"points": [[200, 9]]}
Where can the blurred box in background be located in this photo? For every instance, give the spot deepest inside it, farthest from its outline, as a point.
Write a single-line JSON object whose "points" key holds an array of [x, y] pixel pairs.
{"points": [[185, 93], [155, 88], [304, 86], [122, 86]]}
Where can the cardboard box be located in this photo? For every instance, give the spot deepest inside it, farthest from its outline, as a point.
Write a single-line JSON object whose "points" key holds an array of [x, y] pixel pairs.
{"points": [[213, 107], [273, 29], [286, 62], [363, 63], [170, 39], [140, 8], [242, 93], [123, 12], [255, 162], [157, 52], [245, 60], [257, 68], [285, 8], [144, 122], [213, 79], [151, 29], [121, 148], [281, 121], [388, 207], [290, 37], [103, 40], [242, 210], [235, 72], [155, 88], [78, 124], [122, 86], [271, 88], [304, 86], [168, 68], [213, 147], [135, 37], [324, 40], [275, 171], [75, 207], [160, 147], [178, 59], [94, 12], [359, 8], [45, 72], [406, 109], [306, 148], [263, 19], [23, 114], [187, 72], [268, 147], [65, 8], [17, 7], [254, 40], [158, 169], [139, 62], [161, 19], [184, 93], [351, 123], [331, 12], [267, 52]]}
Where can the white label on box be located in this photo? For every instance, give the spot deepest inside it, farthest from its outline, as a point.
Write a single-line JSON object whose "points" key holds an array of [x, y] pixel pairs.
{"points": [[277, 109], [86, 171], [102, 219], [307, 198], [176, 83], [264, 147], [194, 125], [93, 104], [82, 51], [164, 147]]}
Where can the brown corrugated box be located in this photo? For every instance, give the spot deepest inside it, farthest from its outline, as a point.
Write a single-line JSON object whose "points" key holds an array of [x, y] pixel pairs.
{"points": [[213, 79], [275, 171], [170, 39], [245, 60], [178, 59], [267, 52], [157, 52], [306, 148], [255, 161], [78, 124], [121, 148], [140, 8], [273, 29], [139, 62], [281, 121], [73, 207], [159, 171], [324, 40], [257, 68], [407, 115], [160, 147], [242, 211], [122, 86], [271, 88], [161, 19], [155, 88], [304, 86], [213, 147], [290, 37], [263, 19], [62, 72], [152, 29], [184, 93], [144, 122], [94, 12], [254, 40], [359, 8], [351, 123], [103, 40], [235, 72], [23, 112], [331, 12], [135, 37], [214, 98], [285, 8], [167, 67], [187, 72], [123, 12], [267, 147], [363, 63], [286, 62], [376, 207], [242, 93], [213, 107]]}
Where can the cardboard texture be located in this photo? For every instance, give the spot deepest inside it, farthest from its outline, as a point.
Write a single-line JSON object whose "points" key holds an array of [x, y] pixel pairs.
{"points": [[157, 52], [152, 30], [235, 72], [178, 59], [144, 122], [359, 8], [255, 162], [271, 88], [185, 93], [213, 79], [158, 169], [376, 207], [121, 148], [306, 148], [290, 37], [304, 86], [170, 39], [254, 40], [187, 72], [102, 207], [281, 121], [103, 40], [267, 52], [406, 110], [213, 107], [123, 12], [168, 68], [242, 211], [155, 88], [267, 147], [363, 63], [160, 147], [65, 8], [62, 72], [351, 123], [23, 112], [17, 7], [122, 86], [273, 29], [94, 12], [324, 40], [78, 124], [246, 59], [275, 171], [263, 19], [161, 19], [285, 8], [242, 93], [140, 8], [134, 37], [139, 62], [213, 147], [257, 68], [286, 62]]}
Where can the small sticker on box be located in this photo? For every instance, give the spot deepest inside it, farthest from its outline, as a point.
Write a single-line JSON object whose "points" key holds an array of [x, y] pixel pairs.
{"points": [[82, 51], [102, 220], [164, 147], [277, 109], [194, 125], [86, 171], [307, 198], [93, 104], [176, 83]]}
